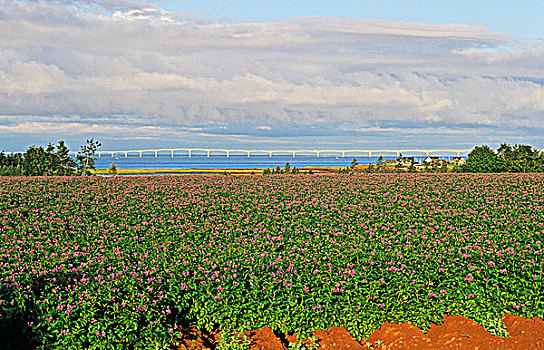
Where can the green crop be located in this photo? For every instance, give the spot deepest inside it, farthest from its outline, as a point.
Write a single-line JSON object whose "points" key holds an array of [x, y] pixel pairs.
{"points": [[132, 263]]}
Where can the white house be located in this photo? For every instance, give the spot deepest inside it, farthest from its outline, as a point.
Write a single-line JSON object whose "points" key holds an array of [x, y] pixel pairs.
{"points": [[431, 159]]}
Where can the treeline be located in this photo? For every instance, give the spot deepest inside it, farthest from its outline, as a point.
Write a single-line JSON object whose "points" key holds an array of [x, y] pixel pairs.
{"points": [[286, 170], [50, 161], [506, 159]]}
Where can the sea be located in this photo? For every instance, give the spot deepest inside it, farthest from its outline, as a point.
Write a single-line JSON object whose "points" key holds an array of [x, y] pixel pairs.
{"points": [[233, 162]]}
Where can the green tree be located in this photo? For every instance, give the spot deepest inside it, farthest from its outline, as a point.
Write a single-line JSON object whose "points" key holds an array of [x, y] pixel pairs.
{"points": [[36, 161], [11, 164], [434, 165], [427, 166], [287, 168], [505, 155], [520, 159], [443, 167], [86, 157], [482, 159], [353, 164], [412, 167], [380, 164], [64, 164], [398, 165], [112, 170]]}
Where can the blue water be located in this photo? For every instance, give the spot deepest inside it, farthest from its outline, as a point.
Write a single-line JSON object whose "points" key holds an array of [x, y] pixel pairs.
{"points": [[232, 162]]}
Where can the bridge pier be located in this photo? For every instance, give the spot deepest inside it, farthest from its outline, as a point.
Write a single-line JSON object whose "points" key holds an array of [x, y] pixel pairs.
{"points": [[189, 153], [228, 154], [140, 154], [172, 152], [126, 154], [343, 154], [208, 154], [369, 154], [155, 154], [270, 154], [293, 154], [112, 153]]}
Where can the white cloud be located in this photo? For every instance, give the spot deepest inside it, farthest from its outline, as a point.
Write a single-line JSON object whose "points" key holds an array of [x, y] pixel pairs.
{"points": [[146, 13], [316, 75]]}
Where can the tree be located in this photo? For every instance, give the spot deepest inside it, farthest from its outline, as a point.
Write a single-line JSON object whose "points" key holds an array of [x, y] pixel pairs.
{"points": [[354, 163], [519, 159], [11, 164], [434, 165], [481, 159], [64, 164], [505, 155], [412, 167], [287, 168], [427, 166], [85, 158], [277, 170], [112, 170], [398, 165], [443, 167], [36, 161], [379, 164], [51, 160]]}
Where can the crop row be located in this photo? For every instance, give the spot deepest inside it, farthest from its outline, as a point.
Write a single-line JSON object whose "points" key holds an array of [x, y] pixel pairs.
{"points": [[131, 262]]}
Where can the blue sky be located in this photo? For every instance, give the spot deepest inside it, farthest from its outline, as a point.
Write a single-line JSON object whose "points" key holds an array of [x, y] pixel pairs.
{"points": [[522, 18], [271, 74]]}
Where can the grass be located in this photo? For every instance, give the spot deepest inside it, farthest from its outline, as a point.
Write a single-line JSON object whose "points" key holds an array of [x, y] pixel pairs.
{"points": [[200, 171], [178, 171]]}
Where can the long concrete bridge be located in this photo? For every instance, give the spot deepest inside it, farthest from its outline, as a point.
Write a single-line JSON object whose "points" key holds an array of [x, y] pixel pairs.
{"points": [[301, 152]]}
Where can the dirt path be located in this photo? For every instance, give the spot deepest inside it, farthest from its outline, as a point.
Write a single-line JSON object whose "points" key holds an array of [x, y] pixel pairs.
{"points": [[455, 333]]}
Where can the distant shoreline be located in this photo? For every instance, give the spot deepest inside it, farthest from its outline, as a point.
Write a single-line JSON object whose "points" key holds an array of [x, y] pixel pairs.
{"points": [[219, 171], [232, 171]]}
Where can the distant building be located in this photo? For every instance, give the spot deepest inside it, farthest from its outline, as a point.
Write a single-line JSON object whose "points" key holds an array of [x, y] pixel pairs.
{"points": [[458, 160], [407, 161], [432, 159]]}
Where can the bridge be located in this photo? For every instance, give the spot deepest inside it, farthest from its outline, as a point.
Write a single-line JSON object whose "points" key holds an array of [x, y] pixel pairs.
{"points": [[300, 152]]}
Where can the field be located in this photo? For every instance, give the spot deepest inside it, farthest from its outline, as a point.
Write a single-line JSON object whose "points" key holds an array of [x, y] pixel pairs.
{"points": [[133, 262]]}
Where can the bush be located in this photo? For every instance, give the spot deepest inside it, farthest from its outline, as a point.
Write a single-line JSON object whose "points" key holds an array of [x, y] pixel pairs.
{"points": [[112, 170]]}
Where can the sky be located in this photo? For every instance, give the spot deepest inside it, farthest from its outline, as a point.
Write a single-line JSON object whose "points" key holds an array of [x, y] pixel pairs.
{"points": [[271, 74]]}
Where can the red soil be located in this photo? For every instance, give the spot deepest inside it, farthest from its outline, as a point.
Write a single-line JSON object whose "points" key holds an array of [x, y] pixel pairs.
{"points": [[455, 333]]}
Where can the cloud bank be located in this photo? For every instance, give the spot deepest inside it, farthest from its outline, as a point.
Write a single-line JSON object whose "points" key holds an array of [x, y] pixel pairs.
{"points": [[125, 71]]}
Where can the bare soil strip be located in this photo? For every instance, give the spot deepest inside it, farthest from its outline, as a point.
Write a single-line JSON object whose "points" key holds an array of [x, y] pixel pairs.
{"points": [[455, 333]]}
